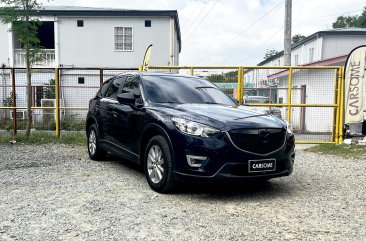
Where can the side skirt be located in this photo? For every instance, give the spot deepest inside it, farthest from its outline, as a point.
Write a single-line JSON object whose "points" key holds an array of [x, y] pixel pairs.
{"points": [[119, 151]]}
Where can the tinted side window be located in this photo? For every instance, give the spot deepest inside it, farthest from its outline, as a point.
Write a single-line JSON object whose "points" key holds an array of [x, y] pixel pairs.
{"points": [[132, 86], [104, 88], [115, 85]]}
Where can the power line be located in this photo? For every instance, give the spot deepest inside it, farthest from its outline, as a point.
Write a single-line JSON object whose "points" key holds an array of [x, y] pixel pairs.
{"points": [[196, 14], [330, 15], [262, 43], [276, 33], [213, 5], [242, 31], [252, 33]]}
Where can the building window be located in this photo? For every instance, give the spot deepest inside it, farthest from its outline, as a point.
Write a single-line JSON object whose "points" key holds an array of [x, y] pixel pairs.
{"points": [[296, 59], [80, 23], [39, 95], [148, 23], [81, 80], [311, 54], [123, 39]]}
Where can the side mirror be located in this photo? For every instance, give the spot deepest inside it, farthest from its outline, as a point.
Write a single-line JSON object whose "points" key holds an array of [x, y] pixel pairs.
{"points": [[126, 99]]}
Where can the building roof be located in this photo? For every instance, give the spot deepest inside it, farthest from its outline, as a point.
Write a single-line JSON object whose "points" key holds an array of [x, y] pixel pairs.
{"points": [[111, 12], [340, 31], [326, 62]]}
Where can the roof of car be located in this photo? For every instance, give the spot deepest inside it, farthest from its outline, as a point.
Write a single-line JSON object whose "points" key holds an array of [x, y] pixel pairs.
{"points": [[144, 73]]}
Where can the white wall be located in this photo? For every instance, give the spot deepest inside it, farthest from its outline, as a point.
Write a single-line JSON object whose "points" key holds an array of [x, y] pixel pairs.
{"points": [[75, 94], [4, 44], [93, 44], [341, 45]]}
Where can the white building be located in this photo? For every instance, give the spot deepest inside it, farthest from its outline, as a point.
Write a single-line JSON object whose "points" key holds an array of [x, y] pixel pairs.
{"points": [[98, 37], [79, 37], [324, 48]]}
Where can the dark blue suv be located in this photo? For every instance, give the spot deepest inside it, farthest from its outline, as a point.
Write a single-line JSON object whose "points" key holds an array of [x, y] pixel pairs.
{"points": [[182, 128]]}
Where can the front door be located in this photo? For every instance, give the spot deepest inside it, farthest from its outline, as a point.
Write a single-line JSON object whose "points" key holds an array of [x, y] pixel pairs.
{"points": [[128, 120]]}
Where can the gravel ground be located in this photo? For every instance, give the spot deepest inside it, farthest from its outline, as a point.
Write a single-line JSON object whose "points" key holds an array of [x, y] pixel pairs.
{"points": [[50, 192]]}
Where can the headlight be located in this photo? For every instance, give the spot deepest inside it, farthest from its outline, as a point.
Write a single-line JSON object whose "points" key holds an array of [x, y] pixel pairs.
{"points": [[194, 128], [289, 127]]}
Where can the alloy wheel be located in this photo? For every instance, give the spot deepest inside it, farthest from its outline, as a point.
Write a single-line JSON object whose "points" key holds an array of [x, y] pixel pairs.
{"points": [[155, 164], [92, 142]]}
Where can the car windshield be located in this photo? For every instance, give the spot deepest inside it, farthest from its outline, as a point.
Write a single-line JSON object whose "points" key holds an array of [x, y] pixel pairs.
{"points": [[180, 89]]}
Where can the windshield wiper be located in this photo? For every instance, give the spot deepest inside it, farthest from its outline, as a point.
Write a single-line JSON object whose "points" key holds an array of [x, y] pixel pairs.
{"points": [[245, 117], [205, 87], [167, 102], [210, 102]]}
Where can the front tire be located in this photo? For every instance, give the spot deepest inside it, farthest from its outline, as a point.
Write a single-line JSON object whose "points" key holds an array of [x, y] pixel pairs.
{"points": [[159, 165], [94, 150]]}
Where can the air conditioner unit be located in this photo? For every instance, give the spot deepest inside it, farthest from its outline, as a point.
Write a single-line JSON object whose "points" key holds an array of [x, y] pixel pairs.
{"points": [[49, 114]]}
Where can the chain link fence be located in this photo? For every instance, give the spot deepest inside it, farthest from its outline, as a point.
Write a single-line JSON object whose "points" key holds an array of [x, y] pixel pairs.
{"points": [[76, 87], [307, 97]]}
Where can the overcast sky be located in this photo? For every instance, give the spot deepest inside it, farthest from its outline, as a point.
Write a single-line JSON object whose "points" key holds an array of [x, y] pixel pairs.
{"points": [[235, 32]]}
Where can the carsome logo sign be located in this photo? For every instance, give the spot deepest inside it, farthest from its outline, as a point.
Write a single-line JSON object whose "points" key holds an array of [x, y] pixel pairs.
{"points": [[354, 82]]}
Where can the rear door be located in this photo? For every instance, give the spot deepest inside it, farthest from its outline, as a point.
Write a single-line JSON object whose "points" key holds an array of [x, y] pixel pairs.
{"points": [[106, 105]]}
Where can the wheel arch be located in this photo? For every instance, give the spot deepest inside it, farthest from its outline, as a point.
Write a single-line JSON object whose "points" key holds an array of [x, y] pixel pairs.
{"points": [[90, 121], [149, 131]]}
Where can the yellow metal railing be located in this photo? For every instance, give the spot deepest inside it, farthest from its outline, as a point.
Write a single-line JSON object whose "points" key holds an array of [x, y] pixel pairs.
{"points": [[237, 80]]}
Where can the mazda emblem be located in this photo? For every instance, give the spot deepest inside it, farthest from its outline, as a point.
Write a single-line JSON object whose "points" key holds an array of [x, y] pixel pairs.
{"points": [[264, 135]]}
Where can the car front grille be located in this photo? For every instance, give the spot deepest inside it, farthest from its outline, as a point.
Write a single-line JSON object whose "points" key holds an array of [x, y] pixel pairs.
{"points": [[258, 141]]}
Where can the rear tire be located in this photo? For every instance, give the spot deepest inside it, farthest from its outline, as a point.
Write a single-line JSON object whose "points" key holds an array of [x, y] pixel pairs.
{"points": [[159, 165], [94, 150]]}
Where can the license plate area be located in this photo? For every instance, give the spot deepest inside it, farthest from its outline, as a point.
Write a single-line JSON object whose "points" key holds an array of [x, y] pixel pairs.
{"points": [[263, 165]]}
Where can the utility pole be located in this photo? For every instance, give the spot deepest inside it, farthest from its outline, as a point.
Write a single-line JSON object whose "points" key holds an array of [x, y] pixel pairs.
{"points": [[287, 39]]}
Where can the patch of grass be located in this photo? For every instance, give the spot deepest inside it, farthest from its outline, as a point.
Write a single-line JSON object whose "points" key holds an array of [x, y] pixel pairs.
{"points": [[70, 123], [7, 124], [355, 151], [45, 138]]}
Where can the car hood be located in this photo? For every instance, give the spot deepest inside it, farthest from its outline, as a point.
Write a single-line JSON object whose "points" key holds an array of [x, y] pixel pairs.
{"points": [[220, 116]]}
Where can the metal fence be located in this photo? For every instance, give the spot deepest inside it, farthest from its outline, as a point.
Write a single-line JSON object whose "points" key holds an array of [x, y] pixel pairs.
{"points": [[310, 98], [60, 97]]}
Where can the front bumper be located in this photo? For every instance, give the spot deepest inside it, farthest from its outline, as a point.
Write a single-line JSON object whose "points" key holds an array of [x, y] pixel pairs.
{"points": [[225, 161], [231, 171]]}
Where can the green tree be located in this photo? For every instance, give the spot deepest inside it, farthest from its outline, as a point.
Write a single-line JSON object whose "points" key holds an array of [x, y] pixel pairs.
{"points": [[228, 77], [22, 15], [297, 38], [362, 19], [49, 89], [269, 53], [345, 22], [358, 21], [8, 101]]}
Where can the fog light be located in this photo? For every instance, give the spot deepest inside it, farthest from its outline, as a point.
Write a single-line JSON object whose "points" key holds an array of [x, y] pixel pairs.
{"points": [[195, 161]]}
